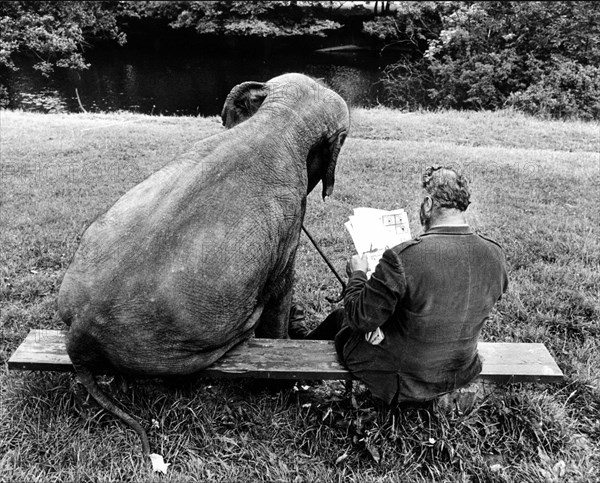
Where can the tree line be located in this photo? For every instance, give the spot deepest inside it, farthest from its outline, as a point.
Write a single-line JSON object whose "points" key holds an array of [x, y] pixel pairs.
{"points": [[539, 57]]}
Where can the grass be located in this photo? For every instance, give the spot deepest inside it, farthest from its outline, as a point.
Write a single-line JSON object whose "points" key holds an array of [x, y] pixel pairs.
{"points": [[536, 190]]}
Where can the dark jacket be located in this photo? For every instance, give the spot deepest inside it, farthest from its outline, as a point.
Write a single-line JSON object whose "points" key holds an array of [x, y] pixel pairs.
{"points": [[430, 296]]}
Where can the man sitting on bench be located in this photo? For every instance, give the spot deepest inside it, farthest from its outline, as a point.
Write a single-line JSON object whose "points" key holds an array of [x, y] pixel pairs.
{"points": [[410, 332]]}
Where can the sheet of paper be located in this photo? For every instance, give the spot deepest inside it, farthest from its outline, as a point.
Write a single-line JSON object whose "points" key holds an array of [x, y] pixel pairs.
{"points": [[373, 231], [360, 237], [395, 229]]}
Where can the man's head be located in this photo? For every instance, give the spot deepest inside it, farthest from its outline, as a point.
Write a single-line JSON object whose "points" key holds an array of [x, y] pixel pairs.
{"points": [[446, 196]]}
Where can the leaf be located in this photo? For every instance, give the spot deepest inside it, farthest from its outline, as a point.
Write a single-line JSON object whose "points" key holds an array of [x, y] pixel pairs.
{"points": [[374, 453], [559, 469], [341, 458], [158, 464], [543, 455], [227, 440]]}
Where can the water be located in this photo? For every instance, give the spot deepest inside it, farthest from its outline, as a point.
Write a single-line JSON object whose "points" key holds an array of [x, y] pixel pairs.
{"points": [[186, 83]]}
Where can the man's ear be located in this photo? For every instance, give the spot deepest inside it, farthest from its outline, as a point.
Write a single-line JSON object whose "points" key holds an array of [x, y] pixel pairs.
{"points": [[242, 102], [428, 203]]}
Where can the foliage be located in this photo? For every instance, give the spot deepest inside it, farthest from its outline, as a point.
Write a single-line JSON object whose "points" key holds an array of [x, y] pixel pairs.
{"points": [[3, 96], [263, 19], [568, 90], [54, 33], [47, 101], [413, 24], [538, 56]]}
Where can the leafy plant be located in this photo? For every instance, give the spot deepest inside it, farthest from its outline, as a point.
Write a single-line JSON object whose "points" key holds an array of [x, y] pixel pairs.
{"points": [[537, 56], [263, 19], [47, 101], [569, 90], [54, 34]]}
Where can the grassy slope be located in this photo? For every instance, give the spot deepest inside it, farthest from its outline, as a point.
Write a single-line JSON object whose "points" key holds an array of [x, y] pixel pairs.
{"points": [[535, 190]]}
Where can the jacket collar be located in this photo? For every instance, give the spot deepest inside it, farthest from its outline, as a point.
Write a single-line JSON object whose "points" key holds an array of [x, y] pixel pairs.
{"points": [[449, 230]]}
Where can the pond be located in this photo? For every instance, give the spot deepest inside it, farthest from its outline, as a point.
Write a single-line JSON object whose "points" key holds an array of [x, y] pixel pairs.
{"points": [[195, 82]]}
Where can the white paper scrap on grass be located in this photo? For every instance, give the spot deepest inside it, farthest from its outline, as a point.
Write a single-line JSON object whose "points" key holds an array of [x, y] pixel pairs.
{"points": [[158, 464]]}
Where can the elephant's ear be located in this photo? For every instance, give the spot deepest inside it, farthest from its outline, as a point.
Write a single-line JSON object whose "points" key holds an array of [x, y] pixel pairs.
{"points": [[242, 102], [334, 144]]}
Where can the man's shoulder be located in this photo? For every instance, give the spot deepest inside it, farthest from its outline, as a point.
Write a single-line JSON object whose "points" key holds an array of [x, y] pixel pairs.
{"points": [[406, 245], [489, 240]]}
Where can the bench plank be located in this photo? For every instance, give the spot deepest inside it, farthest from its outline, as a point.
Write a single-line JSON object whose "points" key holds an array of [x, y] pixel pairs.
{"points": [[42, 350], [503, 362]]}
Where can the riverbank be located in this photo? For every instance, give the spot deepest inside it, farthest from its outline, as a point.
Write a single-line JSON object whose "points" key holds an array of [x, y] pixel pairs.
{"points": [[535, 190]]}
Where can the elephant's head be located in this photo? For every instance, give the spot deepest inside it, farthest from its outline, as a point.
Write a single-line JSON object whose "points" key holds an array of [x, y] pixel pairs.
{"points": [[242, 102], [300, 110]]}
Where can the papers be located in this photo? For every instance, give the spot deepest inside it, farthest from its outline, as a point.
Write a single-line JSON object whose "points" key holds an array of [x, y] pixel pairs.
{"points": [[373, 231]]}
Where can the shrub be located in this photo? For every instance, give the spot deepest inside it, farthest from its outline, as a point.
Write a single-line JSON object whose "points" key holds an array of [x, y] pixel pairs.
{"points": [[567, 90], [407, 84], [540, 57]]}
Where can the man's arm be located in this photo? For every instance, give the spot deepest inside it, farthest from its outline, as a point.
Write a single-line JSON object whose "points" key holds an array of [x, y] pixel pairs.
{"points": [[369, 304]]}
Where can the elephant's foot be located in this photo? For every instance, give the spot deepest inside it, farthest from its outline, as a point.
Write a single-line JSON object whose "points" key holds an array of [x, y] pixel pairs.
{"points": [[297, 327], [275, 318]]}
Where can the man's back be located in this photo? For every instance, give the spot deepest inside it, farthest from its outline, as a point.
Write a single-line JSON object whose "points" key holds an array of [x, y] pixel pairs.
{"points": [[450, 281]]}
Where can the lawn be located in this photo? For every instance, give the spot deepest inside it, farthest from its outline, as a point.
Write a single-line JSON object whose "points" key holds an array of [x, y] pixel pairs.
{"points": [[536, 190]]}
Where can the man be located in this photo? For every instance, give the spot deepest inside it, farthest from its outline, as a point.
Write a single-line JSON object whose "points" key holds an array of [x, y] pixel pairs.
{"points": [[410, 332]]}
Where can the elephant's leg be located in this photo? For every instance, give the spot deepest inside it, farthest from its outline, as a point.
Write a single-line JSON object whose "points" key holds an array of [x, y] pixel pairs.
{"points": [[274, 321]]}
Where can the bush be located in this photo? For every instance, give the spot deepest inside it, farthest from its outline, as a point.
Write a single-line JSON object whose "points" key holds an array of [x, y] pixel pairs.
{"points": [[539, 57], [407, 85], [568, 90], [4, 99], [53, 33]]}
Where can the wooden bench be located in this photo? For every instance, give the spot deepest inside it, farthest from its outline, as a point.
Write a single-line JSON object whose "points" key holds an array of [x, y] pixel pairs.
{"points": [[44, 350]]}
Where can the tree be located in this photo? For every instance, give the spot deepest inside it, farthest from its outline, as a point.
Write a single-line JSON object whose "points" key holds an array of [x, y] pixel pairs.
{"points": [[489, 51], [542, 57], [412, 25], [55, 33], [263, 19]]}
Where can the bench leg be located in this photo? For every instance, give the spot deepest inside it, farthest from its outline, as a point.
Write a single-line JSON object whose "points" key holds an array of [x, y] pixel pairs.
{"points": [[349, 385]]}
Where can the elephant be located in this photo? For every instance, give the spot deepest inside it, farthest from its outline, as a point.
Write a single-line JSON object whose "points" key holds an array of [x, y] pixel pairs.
{"points": [[200, 255]]}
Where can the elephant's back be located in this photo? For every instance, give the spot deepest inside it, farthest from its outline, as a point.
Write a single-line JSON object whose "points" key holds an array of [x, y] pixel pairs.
{"points": [[180, 263]]}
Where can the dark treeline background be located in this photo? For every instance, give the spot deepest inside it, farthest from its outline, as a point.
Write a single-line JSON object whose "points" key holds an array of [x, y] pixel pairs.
{"points": [[542, 58]]}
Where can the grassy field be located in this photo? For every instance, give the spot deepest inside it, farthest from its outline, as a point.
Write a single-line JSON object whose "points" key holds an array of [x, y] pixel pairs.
{"points": [[536, 190]]}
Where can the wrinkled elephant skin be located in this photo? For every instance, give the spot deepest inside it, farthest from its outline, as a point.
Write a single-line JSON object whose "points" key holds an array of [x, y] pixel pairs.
{"points": [[200, 255]]}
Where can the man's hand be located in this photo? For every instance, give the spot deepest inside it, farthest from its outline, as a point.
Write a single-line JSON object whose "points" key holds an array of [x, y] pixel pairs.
{"points": [[357, 263]]}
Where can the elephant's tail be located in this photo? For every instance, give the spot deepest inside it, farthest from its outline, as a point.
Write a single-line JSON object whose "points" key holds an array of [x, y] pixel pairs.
{"points": [[87, 379]]}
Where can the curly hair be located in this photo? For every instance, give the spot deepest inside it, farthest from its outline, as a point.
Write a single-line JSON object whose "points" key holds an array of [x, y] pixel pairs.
{"points": [[447, 188]]}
